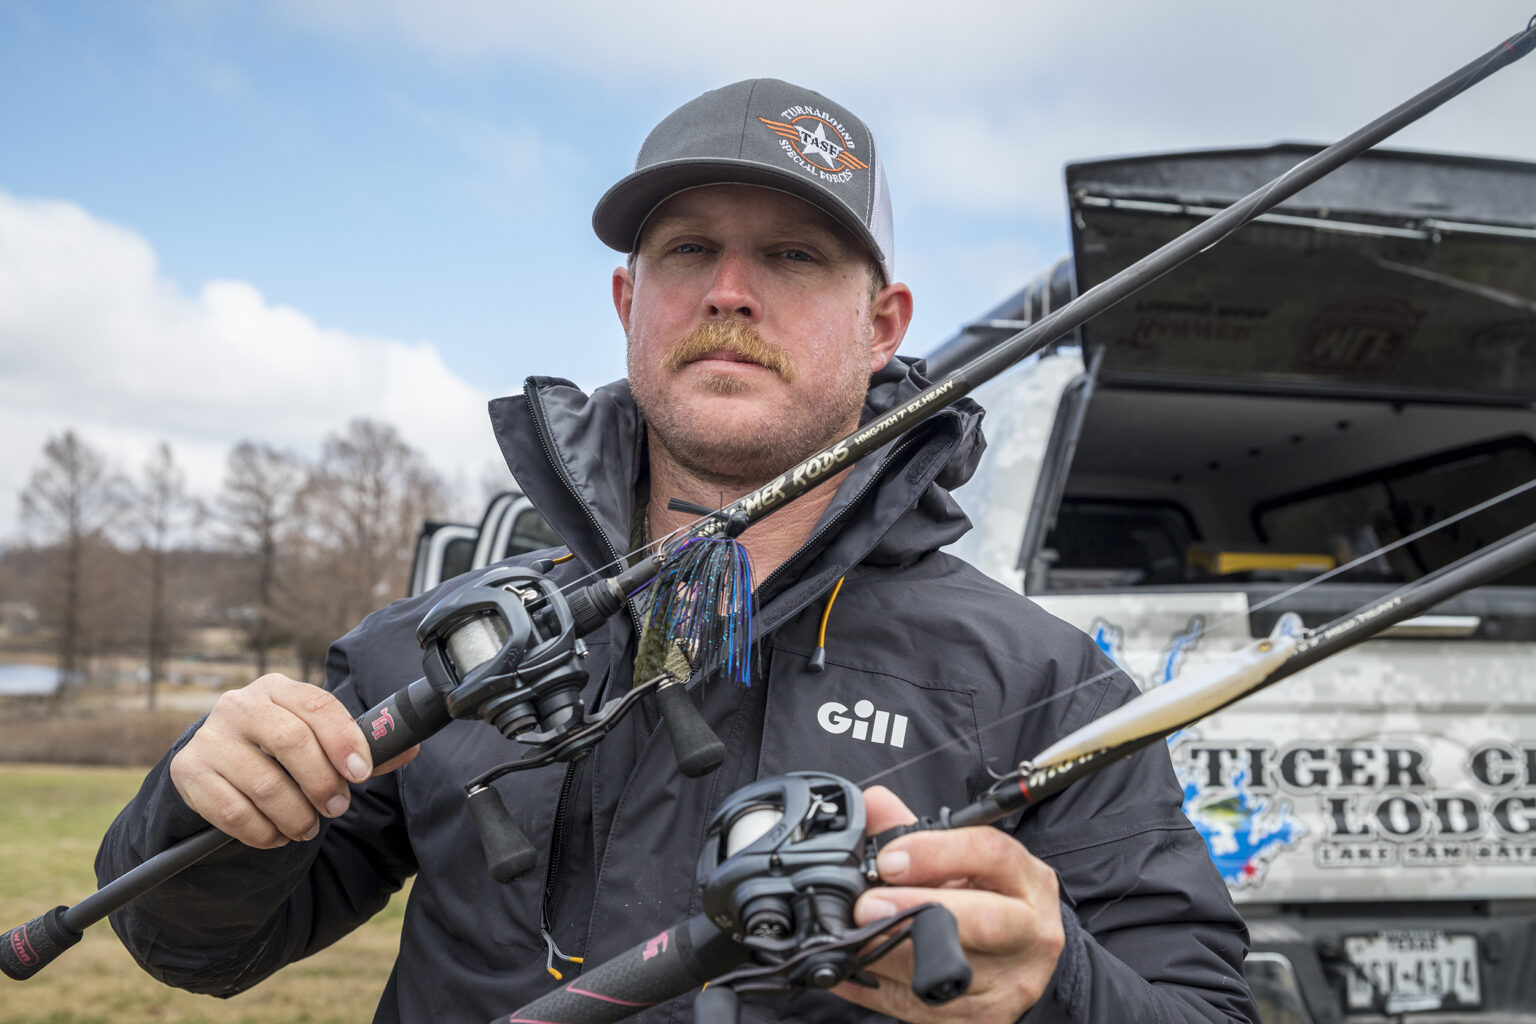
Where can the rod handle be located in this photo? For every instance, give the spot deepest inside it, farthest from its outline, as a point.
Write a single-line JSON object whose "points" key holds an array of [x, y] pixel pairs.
{"points": [[698, 750], [677, 960], [403, 719]]}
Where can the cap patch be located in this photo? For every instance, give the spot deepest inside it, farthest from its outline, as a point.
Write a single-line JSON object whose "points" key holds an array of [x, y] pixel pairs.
{"points": [[817, 142]]}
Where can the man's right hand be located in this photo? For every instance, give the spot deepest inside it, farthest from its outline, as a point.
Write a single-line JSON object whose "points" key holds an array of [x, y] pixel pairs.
{"points": [[270, 759]]}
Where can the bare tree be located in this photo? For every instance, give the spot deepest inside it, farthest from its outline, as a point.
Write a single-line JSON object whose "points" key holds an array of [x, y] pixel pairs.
{"points": [[164, 517], [259, 506], [69, 501], [364, 503]]}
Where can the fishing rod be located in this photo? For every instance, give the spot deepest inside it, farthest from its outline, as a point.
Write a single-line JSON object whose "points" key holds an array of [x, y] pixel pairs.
{"points": [[779, 873], [500, 690], [505, 648], [731, 519], [958, 383]]}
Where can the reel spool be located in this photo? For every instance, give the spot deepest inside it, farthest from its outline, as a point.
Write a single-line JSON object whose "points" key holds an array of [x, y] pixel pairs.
{"points": [[505, 649]]}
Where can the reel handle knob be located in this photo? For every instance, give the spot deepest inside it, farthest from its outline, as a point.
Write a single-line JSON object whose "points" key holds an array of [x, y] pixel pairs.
{"points": [[717, 1004], [699, 751], [939, 968], [508, 853]]}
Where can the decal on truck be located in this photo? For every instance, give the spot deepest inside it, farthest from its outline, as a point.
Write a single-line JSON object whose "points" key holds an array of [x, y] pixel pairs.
{"points": [[1243, 832], [1371, 802], [1380, 803]]}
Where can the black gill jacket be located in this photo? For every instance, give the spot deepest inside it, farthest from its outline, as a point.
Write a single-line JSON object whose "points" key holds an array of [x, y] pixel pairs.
{"points": [[915, 635]]}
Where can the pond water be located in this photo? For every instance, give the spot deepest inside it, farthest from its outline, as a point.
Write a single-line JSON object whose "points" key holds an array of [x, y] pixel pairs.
{"points": [[27, 680]]}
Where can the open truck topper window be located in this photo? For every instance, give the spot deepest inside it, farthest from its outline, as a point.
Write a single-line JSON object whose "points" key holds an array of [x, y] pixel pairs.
{"points": [[1356, 516]]}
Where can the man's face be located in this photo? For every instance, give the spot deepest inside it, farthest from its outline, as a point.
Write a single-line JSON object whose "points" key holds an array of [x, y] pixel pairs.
{"points": [[752, 331]]}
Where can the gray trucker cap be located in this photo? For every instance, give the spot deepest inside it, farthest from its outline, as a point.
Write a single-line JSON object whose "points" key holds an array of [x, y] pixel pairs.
{"points": [[759, 132]]}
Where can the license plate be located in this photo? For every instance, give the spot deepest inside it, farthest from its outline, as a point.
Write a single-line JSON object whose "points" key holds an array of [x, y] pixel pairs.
{"points": [[1408, 970]]}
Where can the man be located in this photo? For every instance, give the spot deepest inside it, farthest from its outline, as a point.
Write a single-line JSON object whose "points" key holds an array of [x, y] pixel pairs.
{"points": [[762, 318]]}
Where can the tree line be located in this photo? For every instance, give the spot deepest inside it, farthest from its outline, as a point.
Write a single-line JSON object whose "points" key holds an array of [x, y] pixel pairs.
{"points": [[290, 553]]}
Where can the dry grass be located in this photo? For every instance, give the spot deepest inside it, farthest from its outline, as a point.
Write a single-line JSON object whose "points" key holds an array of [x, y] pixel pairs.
{"points": [[51, 820], [90, 736], [103, 726]]}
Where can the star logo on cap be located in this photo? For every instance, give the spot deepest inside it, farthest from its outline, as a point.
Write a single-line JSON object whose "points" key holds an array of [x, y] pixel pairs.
{"points": [[813, 143]]}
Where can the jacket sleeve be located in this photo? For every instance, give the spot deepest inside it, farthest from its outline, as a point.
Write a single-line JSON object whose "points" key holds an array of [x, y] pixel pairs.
{"points": [[1151, 933], [231, 920]]}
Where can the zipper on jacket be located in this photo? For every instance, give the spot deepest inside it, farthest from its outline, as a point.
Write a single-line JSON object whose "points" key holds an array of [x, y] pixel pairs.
{"points": [[552, 871]]}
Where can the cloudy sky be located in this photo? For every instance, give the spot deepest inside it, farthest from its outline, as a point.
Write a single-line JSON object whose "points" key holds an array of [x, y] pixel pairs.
{"points": [[257, 220]]}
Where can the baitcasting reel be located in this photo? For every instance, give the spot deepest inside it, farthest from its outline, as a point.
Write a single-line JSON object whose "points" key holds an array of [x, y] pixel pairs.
{"points": [[507, 649], [784, 860]]}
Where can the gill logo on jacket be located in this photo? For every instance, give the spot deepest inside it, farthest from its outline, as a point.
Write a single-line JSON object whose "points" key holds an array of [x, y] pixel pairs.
{"points": [[865, 722]]}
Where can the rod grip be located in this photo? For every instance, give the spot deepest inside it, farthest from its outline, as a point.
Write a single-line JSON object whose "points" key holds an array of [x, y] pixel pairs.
{"points": [[403, 719], [30, 947], [677, 960]]}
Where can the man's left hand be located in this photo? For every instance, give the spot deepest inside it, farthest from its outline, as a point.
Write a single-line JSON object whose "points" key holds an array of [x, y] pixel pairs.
{"points": [[1006, 903]]}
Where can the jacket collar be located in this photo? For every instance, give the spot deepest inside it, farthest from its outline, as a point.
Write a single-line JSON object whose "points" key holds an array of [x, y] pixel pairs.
{"points": [[578, 458]]}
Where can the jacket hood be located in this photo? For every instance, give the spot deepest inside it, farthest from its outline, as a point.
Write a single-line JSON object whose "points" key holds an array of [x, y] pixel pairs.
{"points": [[578, 458]]}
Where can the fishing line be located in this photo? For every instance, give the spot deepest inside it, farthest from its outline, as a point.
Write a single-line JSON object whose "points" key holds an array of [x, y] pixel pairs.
{"points": [[1205, 630]]}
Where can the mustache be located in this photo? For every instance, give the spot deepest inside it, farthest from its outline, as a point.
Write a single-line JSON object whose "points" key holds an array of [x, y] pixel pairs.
{"points": [[733, 337]]}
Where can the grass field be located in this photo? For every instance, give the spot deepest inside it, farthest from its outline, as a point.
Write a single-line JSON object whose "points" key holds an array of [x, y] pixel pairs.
{"points": [[51, 820]]}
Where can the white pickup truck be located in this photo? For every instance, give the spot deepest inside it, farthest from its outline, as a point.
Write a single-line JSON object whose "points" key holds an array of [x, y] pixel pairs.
{"points": [[1353, 368]]}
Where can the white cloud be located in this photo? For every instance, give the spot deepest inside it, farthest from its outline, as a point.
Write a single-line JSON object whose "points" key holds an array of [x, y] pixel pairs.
{"points": [[93, 339]]}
